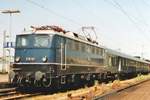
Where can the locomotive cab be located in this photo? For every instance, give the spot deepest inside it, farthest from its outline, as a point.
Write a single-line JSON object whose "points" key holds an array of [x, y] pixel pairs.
{"points": [[34, 48], [51, 57], [33, 53]]}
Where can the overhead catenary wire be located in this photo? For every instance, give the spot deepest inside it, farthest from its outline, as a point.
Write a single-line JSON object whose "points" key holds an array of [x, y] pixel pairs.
{"points": [[145, 2], [131, 18], [93, 14], [117, 5], [53, 12], [85, 8], [143, 21], [148, 5], [89, 10]]}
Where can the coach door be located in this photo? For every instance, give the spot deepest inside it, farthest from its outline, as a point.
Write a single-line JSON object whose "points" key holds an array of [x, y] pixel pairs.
{"points": [[119, 65]]}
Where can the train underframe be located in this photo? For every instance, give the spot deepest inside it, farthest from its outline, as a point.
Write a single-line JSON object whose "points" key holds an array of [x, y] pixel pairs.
{"points": [[49, 77]]}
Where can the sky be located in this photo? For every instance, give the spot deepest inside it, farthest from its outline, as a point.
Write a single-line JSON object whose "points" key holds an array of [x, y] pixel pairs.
{"points": [[122, 25]]}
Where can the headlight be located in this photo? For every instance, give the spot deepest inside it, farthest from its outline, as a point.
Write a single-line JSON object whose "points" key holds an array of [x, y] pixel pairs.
{"points": [[17, 59], [44, 59]]}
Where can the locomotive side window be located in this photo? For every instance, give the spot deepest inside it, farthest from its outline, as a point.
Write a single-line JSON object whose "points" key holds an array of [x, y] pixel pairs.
{"points": [[80, 46], [93, 49], [76, 46], [60, 42], [69, 44], [83, 47], [97, 50], [101, 51]]}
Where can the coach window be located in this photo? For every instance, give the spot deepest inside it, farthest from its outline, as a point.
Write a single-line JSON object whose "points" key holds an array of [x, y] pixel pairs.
{"points": [[133, 63], [124, 62], [109, 61], [112, 61], [138, 64], [115, 61], [129, 62]]}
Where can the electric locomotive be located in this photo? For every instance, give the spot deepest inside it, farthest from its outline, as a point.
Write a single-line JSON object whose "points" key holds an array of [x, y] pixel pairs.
{"points": [[51, 56]]}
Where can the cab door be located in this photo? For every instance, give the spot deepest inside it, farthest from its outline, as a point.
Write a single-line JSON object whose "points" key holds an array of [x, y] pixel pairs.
{"points": [[61, 52]]}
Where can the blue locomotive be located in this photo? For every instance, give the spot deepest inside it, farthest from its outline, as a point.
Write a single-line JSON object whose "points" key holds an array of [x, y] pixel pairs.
{"points": [[52, 57]]}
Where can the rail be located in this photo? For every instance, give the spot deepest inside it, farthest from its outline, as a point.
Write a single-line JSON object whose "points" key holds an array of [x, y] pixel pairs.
{"points": [[101, 97], [13, 94]]}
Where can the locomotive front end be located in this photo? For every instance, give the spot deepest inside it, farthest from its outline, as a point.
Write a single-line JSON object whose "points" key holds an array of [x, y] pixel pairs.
{"points": [[34, 55]]}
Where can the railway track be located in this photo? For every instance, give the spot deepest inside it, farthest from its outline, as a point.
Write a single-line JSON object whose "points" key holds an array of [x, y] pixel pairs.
{"points": [[106, 95], [4, 85], [14, 94]]}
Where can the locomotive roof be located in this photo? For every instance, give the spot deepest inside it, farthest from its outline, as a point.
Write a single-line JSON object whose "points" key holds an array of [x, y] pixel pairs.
{"points": [[68, 34]]}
